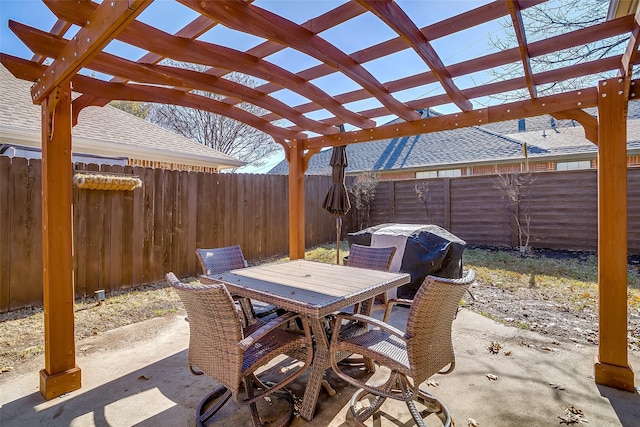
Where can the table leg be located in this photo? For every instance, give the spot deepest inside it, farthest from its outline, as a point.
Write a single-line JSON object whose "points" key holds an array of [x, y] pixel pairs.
{"points": [[321, 362]]}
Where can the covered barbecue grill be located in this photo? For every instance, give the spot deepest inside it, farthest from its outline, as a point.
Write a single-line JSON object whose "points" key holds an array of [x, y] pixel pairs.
{"points": [[421, 250]]}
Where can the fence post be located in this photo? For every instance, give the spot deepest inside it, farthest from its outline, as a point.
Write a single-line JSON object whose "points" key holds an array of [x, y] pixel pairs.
{"points": [[392, 201], [446, 205]]}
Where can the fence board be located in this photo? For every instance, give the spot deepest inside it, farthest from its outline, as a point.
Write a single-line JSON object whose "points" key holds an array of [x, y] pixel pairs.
{"points": [[34, 233], [116, 246], [95, 254], [192, 219], [148, 215], [126, 234], [79, 236], [106, 198], [6, 203], [18, 273], [138, 220]]}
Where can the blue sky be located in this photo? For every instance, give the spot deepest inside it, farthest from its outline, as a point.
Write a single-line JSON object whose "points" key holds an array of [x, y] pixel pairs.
{"points": [[357, 34]]}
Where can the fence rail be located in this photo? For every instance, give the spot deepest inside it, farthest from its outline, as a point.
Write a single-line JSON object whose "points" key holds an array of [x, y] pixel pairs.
{"points": [[123, 239]]}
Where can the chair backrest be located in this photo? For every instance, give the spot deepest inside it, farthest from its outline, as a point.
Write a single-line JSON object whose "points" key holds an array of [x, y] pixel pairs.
{"points": [[221, 260], [428, 332], [215, 331], [373, 258]]}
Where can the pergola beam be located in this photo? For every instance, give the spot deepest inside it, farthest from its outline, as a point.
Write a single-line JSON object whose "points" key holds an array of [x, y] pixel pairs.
{"points": [[192, 30], [509, 111], [109, 18]]}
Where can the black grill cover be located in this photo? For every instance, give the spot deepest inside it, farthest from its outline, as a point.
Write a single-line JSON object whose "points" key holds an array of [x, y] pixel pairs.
{"points": [[429, 250]]}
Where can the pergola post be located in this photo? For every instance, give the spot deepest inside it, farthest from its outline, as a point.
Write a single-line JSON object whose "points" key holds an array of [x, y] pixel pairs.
{"points": [[296, 200], [61, 374], [611, 363]]}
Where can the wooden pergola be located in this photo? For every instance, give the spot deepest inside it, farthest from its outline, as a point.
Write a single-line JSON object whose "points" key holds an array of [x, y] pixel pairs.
{"points": [[71, 52]]}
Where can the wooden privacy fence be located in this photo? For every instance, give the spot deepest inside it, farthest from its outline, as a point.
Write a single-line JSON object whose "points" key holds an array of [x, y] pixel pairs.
{"points": [[562, 207], [127, 238]]}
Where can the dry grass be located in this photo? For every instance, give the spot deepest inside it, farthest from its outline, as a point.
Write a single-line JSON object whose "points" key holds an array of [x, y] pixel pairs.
{"points": [[571, 280]]}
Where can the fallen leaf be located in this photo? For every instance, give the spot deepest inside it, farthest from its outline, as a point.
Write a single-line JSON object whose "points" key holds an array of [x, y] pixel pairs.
{"points": [[143, 377], [573, 415], [557, 386], [507, 353], [472, 423], [549, 349], [432, 383], [6, 369], [492, 377], [494, 347], [575, 410]]}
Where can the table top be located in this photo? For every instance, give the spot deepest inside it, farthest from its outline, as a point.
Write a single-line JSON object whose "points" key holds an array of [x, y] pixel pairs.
{"points": [[308, 287]]}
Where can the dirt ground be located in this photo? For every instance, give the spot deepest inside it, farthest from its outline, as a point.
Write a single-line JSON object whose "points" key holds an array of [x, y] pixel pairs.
{"points": [[564, 312]]}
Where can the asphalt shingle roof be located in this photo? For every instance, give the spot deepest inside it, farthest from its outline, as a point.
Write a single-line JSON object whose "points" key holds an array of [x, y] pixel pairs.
{"points": [[493, 142], [99, 125]]}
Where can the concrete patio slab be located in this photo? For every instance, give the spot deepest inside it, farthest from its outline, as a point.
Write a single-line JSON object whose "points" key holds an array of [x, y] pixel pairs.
{"points": [[137, 376]]}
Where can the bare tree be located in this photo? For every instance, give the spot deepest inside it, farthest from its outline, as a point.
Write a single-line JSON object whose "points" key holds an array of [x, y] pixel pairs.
{"points": [[224, 134], [514, 188], [550, 19], [422, 191], [363, 191]]}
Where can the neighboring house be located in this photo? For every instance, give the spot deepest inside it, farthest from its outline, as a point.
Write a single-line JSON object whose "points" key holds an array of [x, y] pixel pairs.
{"points": [[478, 150], [103, 135]]}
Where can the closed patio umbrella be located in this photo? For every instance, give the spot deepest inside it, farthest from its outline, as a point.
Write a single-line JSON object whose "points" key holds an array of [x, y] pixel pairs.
{"points": [[337, 199]]}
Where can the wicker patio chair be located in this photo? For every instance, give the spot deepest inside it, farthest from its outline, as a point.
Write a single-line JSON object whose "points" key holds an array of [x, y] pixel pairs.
{"points": [[373, 258], [221, 260], [424, 349], [220, 348]]}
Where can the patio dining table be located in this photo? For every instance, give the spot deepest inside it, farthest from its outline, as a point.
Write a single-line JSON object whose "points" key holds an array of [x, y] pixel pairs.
{"points": [[316, 290]]}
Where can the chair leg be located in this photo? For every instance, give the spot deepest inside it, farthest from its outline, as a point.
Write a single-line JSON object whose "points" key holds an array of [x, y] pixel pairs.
{"points": [[433, 406], [211, 404], [360, 417], [284, 420]]}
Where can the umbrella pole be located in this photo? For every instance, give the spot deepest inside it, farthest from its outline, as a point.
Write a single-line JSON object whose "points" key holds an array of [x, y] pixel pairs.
{"points": [[338, 227]]}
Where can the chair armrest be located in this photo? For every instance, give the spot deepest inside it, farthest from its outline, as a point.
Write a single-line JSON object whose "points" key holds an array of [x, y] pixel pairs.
{"points": [[366, 319], [270, 326], [400, 301]]}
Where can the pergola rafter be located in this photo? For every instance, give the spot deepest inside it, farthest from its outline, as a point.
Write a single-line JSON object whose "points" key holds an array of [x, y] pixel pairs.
{"points": [[262, 23], [395, 18], [294, 125], [518, 26], [49, 45], [192, 30]]}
